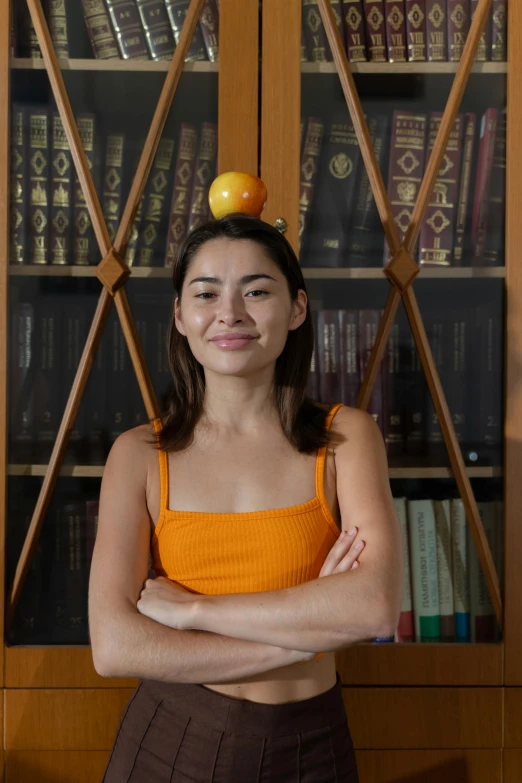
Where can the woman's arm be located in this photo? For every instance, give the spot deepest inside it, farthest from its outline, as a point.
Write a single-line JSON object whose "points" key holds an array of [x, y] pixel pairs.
{"points": [[333, 612], [127, 644]]}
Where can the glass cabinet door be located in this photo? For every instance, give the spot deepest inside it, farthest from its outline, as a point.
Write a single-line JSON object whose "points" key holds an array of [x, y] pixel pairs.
{"points": [[404, 56], [114, 61]]}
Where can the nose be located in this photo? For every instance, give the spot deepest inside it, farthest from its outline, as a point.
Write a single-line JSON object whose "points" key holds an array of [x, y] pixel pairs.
{"points": [[232, 307]]}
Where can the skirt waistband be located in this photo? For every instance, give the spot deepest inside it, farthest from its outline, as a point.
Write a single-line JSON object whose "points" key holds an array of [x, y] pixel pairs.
{"points": [[248, 717]]}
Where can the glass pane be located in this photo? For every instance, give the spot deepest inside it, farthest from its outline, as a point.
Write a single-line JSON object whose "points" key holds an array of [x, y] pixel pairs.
{"points": [[54, 291], [404, 62]]}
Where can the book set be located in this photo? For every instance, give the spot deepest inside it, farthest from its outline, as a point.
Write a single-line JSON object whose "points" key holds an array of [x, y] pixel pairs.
{"points": [[464, 224], [399, 31]]}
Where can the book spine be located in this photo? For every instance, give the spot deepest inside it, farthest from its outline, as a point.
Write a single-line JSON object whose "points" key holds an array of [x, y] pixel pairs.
{"points": [[155, 205], [416, 30], [479, 222], [209, 24], [354, 27], [458, 28], [57, 21], [158, 32], [436, 330], [21, 382], [328, 354], [437, 232], [349, 356], [405, 626], [97, 403], [423, 545], [309, 167], [48, 391], [127, 28], [375, 30], [498, 31], [482, 612], [489, 357], [414, 408], [436, 31], [392, 419], [312, 386], [29, 46], [407, 152], [460, 571], [73, 335], [179, 213], [112, 182], [463, 200], [495, 235], [19, 185], [203, 173], [395, 31], [39, 152], [99, 30], [91, 527], [369, 321], [177, 11], [445, 569], [457, 371], [61, 194], [119, 379], [316, 41], [84, 240], [484, 47], [76, 577]]}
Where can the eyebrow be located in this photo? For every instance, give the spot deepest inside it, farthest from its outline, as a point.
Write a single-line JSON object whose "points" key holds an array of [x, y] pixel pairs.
{"points": [[242, 280]]}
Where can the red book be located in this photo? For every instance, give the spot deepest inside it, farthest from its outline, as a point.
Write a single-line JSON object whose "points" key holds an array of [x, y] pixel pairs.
{"points": [[436, 30], [498, 31], [484, 47], [468, 147], [354, 30], [416, 30], [458, 28], [479, 222], [396, 31], [375, 30]]}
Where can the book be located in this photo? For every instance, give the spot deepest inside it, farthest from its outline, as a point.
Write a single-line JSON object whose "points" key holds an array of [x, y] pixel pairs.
{"points": [[392, 406], [316, 42], [414, 396], [19, 185], [328, 354], [484, 47], [405, 627], [76, 573], [482, 613], [177, 11], [498, 51], [425, 587], [72, 338], [395, 31], [442, 510], [309, 167], [437, 327], [209, 24], [119, 379], [112, 182], [493, 254], [349, 356], [204, 172], [436, 31], [127, 28], [61, 194], [460, 571], [22, 363], [487, 381], [461, 243], [179, 209], [48, 378], [312, 386], [354, 29], [57, 22], [369, 321], [416, 30], [39, 155], [99, 30], [480, 215], [457, 360], [85, 247], [155, 206], [458, 28], [375, 30], [158, 32], [95, 402]]}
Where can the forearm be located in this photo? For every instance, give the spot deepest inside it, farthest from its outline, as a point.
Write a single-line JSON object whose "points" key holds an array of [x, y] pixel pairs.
{"points": [[140, 647], [324, 614]]}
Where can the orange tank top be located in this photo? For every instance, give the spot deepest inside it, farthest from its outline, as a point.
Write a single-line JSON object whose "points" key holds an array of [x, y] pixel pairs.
{"points": [[244, 552]]}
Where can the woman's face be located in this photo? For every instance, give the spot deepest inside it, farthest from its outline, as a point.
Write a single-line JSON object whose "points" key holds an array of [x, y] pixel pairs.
{"points": [[232, 288]]}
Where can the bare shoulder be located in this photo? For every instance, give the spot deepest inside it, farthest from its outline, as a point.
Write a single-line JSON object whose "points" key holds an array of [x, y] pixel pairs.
{"points": [[356, 429], [132, 453]]}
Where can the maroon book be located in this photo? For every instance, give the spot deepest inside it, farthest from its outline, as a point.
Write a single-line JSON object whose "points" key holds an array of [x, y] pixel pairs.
{"points": [[354, 30], [328, 354], [484, 47], [204, 173], [458, 28], [461, 223], [125, 21], [309, 167], [183, 178], [349, 352], [395, 31], [416, 30], [495, 240], [158, 33], [498, 31], [369, 321], [209, 24], [436, 30], [375, 30], [479, 222], [438, 228], [392, 419]]}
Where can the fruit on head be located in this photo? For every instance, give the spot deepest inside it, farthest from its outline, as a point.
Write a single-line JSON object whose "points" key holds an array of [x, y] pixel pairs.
{"points": [[236, 191]]}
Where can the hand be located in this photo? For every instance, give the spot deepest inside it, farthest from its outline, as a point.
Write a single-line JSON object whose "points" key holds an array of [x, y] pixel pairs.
{"points": [[343, 555], [168, 603]]}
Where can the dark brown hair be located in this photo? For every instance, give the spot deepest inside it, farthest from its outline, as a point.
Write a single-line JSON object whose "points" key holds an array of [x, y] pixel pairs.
{"points": [[302, 419]]}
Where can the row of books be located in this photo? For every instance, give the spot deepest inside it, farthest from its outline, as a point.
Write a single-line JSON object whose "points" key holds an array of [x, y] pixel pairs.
{"points": [[445, 596], [464, 223], [122, 29], [399, 31], [47, 338], [50, 223], [466, 343]]}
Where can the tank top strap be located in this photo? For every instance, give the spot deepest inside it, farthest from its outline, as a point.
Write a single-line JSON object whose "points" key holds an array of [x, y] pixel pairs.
{"points": [[321, 458], [164, 471]]}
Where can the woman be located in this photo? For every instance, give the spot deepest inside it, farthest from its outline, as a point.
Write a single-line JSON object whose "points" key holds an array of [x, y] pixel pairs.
{"points": [[255, 586]]}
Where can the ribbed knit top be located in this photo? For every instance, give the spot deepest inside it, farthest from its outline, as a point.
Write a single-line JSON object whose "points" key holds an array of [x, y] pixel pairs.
{"points": [[244, 552]]}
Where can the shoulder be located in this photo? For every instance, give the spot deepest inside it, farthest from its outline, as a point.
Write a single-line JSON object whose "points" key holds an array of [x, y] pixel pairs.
{"points": [[355, 424], [133, 453]]}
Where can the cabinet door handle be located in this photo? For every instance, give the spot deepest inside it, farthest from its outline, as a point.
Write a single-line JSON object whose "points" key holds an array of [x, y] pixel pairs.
{"points": [[281, 225]]}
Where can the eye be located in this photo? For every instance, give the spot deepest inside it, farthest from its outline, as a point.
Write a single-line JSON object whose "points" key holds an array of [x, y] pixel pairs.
{"points": [[204, 294], [258, 291]]}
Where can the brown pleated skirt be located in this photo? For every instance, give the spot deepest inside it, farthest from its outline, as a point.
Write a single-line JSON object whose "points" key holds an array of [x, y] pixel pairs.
{"points": [[186, 733]]}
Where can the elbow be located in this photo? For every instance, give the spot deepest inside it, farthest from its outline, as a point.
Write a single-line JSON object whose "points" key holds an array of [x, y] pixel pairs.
{"points": [[386, 618], [104, 663]]}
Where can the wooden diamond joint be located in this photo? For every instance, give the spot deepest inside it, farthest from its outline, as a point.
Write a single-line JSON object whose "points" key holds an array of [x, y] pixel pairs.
{"points": [[112, 271], [402, 269]]}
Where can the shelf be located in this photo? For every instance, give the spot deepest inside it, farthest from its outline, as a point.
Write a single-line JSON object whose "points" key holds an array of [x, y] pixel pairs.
{"points": [[96, 471], [394, 68], [309, 273], [203, 66]]}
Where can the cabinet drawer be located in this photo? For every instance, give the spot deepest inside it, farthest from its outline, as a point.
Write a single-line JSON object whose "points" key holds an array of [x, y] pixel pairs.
{"points": [[60, 766], [430, 766]]}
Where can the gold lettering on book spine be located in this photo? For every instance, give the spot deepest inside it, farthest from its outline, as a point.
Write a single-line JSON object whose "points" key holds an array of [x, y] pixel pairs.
{"points": [[99, 26]]}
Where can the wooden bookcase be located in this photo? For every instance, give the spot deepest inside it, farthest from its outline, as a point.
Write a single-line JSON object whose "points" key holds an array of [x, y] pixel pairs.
{"points": [[417, 712]]}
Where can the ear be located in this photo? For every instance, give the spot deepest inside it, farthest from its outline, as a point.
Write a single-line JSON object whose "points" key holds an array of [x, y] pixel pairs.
{"points": [[298, 310], [178, 320]]}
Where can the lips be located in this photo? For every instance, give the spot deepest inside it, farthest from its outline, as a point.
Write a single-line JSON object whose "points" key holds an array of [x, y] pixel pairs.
{"points": [[228, 336], [232, 340]]}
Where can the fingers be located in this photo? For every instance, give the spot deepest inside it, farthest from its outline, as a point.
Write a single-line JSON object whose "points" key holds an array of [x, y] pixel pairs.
{"points": [[340, 550]]}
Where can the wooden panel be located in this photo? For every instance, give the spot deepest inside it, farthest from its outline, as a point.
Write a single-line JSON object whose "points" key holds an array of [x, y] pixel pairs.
{"points": [[63, 719], [238, 86], [513, 718], [401, 718], [281, 112], [415, 664], [513, 425], [56, 667], [430, 766], [512, 766], [55, 766]]}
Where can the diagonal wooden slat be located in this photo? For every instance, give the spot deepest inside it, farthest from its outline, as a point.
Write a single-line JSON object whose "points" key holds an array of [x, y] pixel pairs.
{"points": [[402, 269], [111, 271]]}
